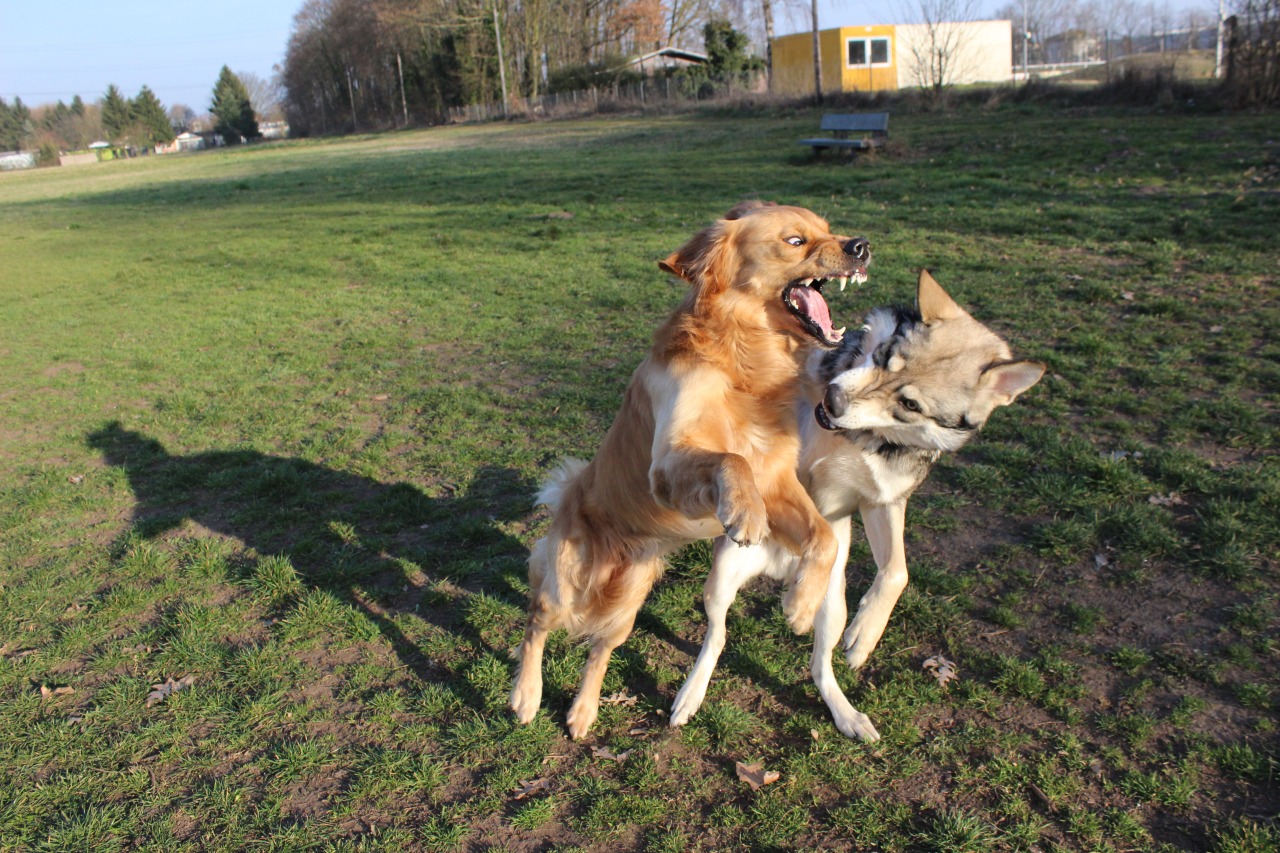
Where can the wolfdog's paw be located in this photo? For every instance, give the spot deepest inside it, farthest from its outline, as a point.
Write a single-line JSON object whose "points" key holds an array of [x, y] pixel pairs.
{"points": [[856, 724], [582, 716], [801, 607], [745, 521], [687, 703], [858, 645]]}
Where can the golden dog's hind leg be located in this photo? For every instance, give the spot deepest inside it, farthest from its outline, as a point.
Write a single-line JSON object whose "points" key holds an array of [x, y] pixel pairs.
{"points": [[798, 523], [526, 693], [611, 628]]}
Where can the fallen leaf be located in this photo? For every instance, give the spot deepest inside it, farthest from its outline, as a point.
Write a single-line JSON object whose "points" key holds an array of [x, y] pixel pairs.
{"points": [[941, 669], [47, 692], [560, 214], [1171, 499], [530, 786], [1216, 330], [161, 692], [604, 753], [813, 733], [640, 732], [76, 479], [619, 698], [1127, 296], [380, 397], [755, 775], [1101, 560]]}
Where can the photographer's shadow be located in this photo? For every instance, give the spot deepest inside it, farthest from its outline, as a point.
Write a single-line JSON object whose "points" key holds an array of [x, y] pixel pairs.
{"points": [[370, 544]]}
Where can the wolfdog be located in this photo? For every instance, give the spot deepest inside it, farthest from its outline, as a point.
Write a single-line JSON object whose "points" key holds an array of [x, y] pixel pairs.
{"points": [[913, 383]]}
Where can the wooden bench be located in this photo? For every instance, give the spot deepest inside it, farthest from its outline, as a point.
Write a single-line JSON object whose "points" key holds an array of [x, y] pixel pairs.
{"points": [[852, 132]]}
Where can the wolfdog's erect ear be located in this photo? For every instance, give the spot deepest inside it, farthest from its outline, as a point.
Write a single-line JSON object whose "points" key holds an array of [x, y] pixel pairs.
{"points": [[934, 302], [1001, 384]]}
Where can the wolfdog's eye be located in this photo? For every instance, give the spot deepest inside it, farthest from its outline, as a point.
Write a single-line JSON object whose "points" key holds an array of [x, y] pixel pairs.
{"points": [[909, 404], [796, 241]]}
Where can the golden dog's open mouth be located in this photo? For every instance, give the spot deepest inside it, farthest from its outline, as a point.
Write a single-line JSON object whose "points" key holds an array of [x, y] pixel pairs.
{"points": [[804, 300]]}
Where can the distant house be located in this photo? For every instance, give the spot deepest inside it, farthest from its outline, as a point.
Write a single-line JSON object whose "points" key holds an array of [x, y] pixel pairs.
{"points": [[1072, 46], [78, 158], [888, 56], [274, 129], [666, 58], [11, 160]]}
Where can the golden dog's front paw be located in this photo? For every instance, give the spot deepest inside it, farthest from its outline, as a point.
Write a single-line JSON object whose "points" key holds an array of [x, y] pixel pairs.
{"points": [[582, 716], [526, 697], [745, 522]]}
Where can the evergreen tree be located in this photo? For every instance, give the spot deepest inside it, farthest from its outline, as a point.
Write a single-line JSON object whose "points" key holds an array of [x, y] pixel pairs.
{"points": [[77, 106], [232, 112], [151, 121], [116, 115], [15, 125], [727, 49], [8, 128]]}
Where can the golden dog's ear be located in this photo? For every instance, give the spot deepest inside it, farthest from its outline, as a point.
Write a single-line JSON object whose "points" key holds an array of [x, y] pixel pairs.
{"points": [[706, 261], [741, 209]]}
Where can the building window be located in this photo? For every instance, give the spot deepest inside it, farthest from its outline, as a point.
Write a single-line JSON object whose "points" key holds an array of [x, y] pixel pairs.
{"points": [[876, 50]]}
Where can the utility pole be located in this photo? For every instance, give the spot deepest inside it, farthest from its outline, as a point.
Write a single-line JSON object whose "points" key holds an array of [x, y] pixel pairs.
{"points": [[404, 103], [817, 56], [1217, 63], [768, 43], [1026, 37], [502, 66]]}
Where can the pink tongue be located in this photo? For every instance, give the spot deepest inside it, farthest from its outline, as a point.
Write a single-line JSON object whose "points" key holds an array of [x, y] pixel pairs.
{"points": [[815, 307]]}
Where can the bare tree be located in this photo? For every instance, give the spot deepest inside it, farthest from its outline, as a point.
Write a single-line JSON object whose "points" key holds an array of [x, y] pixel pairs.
{"points": [[937, 48], [1253, 52], [266, 96]]}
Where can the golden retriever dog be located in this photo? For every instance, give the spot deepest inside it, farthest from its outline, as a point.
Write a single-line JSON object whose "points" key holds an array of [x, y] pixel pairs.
{"points": [[706, 443]]}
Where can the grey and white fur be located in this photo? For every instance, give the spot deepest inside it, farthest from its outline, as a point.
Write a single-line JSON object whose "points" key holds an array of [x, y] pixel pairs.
{"points": [[912, 384]]}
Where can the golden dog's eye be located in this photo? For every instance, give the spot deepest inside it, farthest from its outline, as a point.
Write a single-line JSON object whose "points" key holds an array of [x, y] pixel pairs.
{"points": [[910, 405], [796, 241]]}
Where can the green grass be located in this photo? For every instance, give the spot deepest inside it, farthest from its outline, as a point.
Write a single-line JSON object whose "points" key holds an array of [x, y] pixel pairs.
{"points": [[274, 418]]}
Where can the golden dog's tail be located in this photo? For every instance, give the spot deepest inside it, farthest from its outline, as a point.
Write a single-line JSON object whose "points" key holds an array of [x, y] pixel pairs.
{"points": [[552, 492]]}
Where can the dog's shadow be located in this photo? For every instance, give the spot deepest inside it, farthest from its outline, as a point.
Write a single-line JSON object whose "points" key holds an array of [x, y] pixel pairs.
{"points": [[375, 546]]}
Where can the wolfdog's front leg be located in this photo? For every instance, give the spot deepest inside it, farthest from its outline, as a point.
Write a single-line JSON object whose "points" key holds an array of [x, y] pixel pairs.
{"points": [[826, 635], [884, 526], [732, 567]]}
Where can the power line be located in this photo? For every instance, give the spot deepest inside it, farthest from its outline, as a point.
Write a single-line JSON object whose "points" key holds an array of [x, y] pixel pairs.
{"points": [[27, 48]]}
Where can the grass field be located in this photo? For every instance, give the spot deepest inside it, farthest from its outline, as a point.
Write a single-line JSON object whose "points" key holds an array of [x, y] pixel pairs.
{"points": [[271, 422]]}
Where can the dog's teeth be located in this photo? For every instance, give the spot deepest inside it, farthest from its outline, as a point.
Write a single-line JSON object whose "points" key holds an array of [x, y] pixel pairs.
{"points": [[844, 279], [839, 333]]}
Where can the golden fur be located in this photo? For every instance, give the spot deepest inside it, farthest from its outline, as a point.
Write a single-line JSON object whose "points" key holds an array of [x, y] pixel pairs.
{"points": [[705, 443]]}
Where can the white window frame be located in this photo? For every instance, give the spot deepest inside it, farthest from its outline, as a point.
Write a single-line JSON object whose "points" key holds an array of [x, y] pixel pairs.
{"points": [[867, 40]]}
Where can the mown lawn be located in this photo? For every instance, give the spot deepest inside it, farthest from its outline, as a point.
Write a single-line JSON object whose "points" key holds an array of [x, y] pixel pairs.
{"points": [[271, 422]]}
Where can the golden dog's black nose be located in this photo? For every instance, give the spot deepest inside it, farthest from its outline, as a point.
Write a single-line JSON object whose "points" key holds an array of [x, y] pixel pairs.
{"points": [[859, 247], [835, 400]]}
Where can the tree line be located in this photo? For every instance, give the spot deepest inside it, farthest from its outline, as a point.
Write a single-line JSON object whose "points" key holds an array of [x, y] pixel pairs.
{"points": [[356, 64], [140, 122]]}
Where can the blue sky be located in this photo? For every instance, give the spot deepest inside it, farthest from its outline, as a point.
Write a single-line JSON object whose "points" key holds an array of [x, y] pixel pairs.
{"points": [[52, 51]]}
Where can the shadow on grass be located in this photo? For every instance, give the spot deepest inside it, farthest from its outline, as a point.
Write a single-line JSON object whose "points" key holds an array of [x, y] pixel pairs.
{"points": [[365, 542]]}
